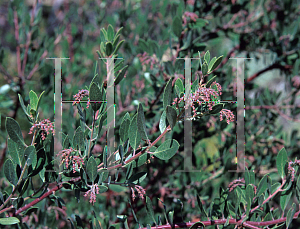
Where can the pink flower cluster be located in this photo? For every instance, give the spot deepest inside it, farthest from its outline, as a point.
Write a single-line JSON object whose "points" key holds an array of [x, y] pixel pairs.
{"points": [[291, 168], [238, 182], [235, 183], [140, 190], [92, 192], [228, 114], [204, 94], [78, 97], [145, 59], [191, 15], [45, 126], [67, 156], [296, 81]]}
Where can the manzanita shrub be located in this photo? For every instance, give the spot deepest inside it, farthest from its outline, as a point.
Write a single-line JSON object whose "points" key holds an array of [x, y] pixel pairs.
{"points": [[244, 204]]}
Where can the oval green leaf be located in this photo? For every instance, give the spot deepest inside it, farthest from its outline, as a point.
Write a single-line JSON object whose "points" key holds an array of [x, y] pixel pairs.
{"points": [[216, 64], [162, 122], [141, 122], [10, 172], [14, 131], [137, 178], [91, 168], [171, 116], [33, 100], [149, 209], [177, 26], [120, 75], [281, 161], [167, 149], [216, 108], [95, 96], [134, 136], [9, 221], [167, 97]]}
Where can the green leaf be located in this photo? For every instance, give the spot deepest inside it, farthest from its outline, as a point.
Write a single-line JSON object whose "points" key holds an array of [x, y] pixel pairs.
{"points": [[96, 222], [149, 209], [66, 143], [104, 34], [290, 215], [119, 31], [284, 199], [249, 201], [118, 47], [9, 221], [102, 188], [211, 63], [195, 86], [171, 116], [24, 187], [177, 26], [137, 178], [202, 210], [120, 75], [200, 22], [91, 168], [197, 225], [141, 160], [121, 153], [105, 173], [281, 161], [110, 33], [10, 172], [262, 185], [14, 131], [33, 100], [177, 91], [241, 194], [40, 99], [13, 152], [23, 106], [28, 151], [102, 49], [249, 192], [141, 122], [33, 112], [32, 158], [118, 66], [204, 68], [179, 85], [187, 42], [95, 96], [143, 45], [78, 139], [108, 48], [216, 108], [162, 122], [210, 82], [275, 187], [167, 97], [167, 149], [124, 127], [101, 121], [169, 68], [216, 64], [134, 136], [207, 56]]}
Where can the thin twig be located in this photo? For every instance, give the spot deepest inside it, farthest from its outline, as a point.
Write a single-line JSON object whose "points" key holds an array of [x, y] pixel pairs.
{"points": [[271, 67]]}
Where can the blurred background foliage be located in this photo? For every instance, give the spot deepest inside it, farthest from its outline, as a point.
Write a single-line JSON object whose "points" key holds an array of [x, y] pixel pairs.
{"points": [[266, 31]]}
